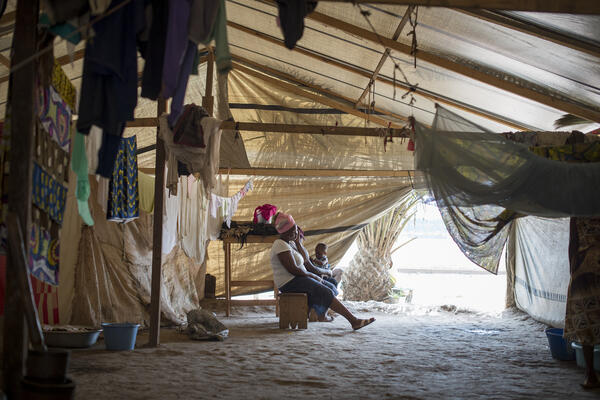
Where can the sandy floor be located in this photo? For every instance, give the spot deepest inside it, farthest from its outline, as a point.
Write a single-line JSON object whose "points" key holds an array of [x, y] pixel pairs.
{"points": [[408, 353]]}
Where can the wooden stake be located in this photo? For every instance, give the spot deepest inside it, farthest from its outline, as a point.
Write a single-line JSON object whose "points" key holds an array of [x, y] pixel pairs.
{"points": [[22, 102], [159, 190]]}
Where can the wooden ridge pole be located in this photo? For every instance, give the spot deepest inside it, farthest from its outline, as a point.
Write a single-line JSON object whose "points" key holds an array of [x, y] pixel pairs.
{"points": [[21, 100], [159, 190]]}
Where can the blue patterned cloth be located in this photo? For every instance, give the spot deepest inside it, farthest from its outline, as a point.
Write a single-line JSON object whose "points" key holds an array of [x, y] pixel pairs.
{"points": [[123, 195], [49, 195]]}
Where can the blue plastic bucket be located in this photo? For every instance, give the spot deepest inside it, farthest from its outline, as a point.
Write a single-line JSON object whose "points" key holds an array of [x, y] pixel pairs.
{"points": [[559, 348], [581, 359], [120, 336]]}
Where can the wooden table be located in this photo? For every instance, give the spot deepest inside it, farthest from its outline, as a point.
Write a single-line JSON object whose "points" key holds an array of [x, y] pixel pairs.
{"points": [[268, 284]]}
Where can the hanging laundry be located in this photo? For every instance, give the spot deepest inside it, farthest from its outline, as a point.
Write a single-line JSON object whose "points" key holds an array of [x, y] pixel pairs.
{"points": [[222, 209], [193, 218], [79, 165], [146, 189], [110, 78], [60, 11], [97, 7], [55, 116], [43, 255], [176, 45], [123, 197], [204, 161], [48, 194], [291, 19], [263, 214], [204, 15], [62, 84], [170, 217], [154, 50], [93, 142], [188, 130], [69, 30]]}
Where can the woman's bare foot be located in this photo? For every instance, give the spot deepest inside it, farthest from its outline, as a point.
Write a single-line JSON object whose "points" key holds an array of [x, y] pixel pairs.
{"points": [[361, 323]]}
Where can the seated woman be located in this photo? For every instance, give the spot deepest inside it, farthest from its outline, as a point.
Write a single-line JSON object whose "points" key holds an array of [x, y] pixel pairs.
{"points": [[290, 275]]}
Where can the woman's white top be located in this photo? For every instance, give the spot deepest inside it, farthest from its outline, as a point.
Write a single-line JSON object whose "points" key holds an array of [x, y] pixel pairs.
{"points": [[281, 276]]}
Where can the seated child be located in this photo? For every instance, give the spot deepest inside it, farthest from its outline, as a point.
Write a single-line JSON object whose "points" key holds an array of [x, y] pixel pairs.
{"points": [[320, 260]]}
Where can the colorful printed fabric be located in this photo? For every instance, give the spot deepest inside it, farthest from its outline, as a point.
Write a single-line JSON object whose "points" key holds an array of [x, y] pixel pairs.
{"points": [[46, 300], [123, 195], [55, 116], [43, 255], [579, 152], [48, 194], [62, 84]]}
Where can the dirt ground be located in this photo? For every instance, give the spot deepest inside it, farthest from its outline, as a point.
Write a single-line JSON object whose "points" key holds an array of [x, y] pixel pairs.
{"points": [[408, 353]]}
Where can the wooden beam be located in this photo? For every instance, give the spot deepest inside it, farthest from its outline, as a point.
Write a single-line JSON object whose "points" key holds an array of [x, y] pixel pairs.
{"points": [[306, 173], [553, 6], [534, 30], [527, 91], [147, 122], [296, 128], [386, 53], [22, 102], [316, 97], [389, 81], [315, 172], [317, 88], [157, 227]]}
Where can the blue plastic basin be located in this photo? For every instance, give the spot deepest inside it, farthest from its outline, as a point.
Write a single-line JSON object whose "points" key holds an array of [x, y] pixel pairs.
{"points": [[120, 336], [559, 348]]}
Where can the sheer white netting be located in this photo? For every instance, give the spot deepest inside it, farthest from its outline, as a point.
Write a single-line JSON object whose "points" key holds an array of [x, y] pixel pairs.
{"points": [[481, 181]]}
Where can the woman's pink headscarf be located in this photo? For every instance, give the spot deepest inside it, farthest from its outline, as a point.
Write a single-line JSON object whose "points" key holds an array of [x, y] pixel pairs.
{"points": [[284, 222]]}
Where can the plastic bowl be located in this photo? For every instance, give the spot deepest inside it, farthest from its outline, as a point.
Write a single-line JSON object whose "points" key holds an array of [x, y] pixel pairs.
{"points": [[559, 348], [120, 336], [581, 360]]}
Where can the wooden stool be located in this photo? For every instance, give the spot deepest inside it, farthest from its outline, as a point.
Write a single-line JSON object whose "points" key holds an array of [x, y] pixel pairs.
{"points": [[293, 311]]}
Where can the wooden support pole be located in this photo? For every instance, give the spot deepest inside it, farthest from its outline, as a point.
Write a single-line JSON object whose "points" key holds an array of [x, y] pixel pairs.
{"points": [[159, 194], [22, 102], [227, 250], [386, 53], [291, 128], [208, 100]]}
